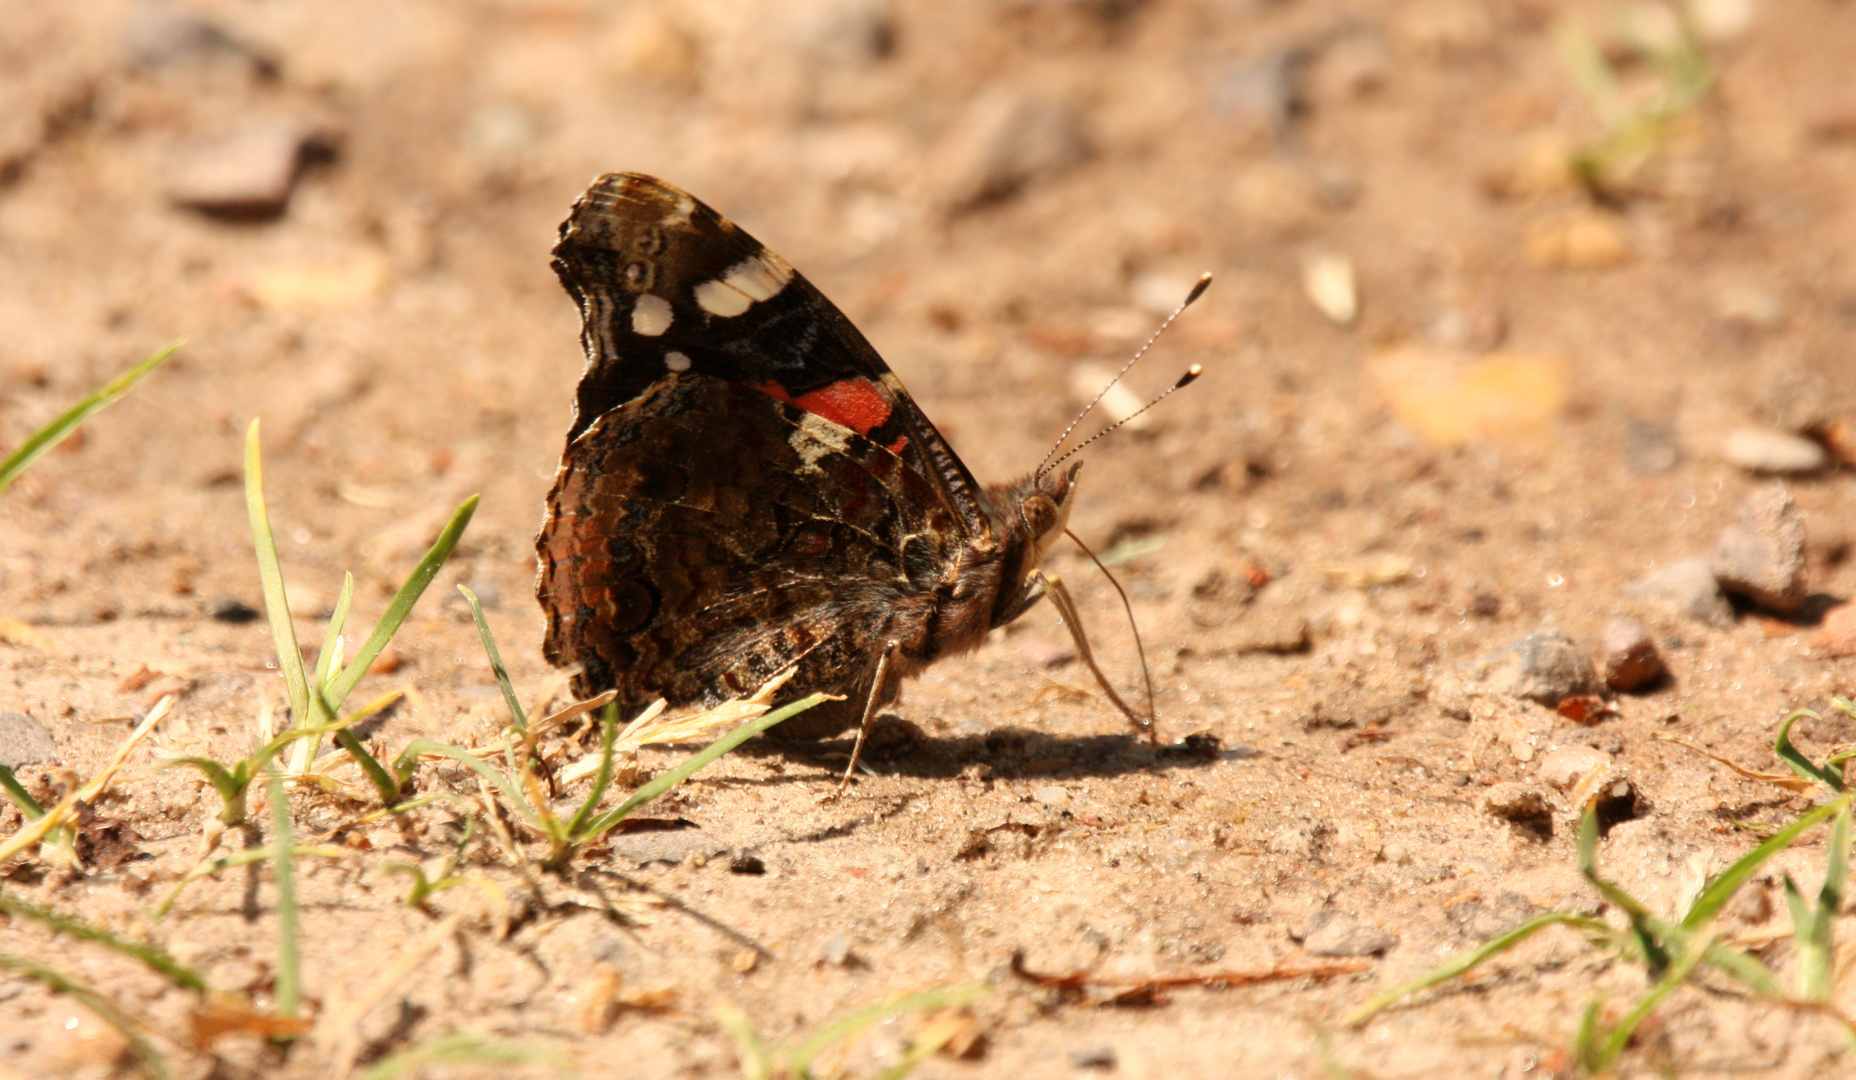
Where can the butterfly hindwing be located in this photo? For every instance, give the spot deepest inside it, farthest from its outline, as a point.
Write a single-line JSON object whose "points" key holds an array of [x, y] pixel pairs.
{"points": [[704, 535]]}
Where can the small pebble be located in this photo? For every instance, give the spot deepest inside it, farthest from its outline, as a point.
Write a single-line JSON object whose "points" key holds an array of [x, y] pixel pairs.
{"points": [[1838, 634], [1762, 450], [1628, 655], [1542, 667], [157, 35], [1052, 795], [1586, 240], [24, 741], [1043, 653], [836, 951], [1270, 630], [1007, 141], [1687, 587], [1101, 1057], [245, 174], [1329, 282], [843, 31], [1750, 305], [388, 662], [1262, 96], [1760, 554], [1335, 934], [1650, 447], [1567, 765]]}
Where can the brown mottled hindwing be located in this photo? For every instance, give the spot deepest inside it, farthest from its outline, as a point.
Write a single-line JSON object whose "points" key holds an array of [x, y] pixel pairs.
{"points": [[704, 535]]}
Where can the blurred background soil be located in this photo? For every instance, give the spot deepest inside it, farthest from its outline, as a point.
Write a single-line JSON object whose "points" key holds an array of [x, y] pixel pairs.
{"points": [[1521, 308]]}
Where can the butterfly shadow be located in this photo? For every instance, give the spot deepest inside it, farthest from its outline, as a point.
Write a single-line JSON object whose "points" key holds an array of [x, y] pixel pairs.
{"points": [[899, 748]]}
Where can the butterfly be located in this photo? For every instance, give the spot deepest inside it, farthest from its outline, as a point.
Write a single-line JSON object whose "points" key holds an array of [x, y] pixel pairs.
{"points": [[748, 487]]}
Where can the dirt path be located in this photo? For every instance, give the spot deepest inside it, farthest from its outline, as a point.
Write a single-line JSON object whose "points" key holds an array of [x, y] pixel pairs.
{"points": [[1547, 392]]}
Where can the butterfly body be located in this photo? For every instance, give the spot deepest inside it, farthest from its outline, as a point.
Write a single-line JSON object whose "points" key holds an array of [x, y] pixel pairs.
{"points": [[747, 486]]}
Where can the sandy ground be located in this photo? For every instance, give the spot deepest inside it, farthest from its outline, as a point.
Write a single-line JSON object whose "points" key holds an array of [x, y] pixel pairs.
{"points": [[1531, 409]]}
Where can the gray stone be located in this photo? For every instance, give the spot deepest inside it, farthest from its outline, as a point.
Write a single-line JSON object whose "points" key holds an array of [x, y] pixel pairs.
{"points": [[1263, 94], [247, 173], [1542, 667], [1335, 934], [1762, 450], [24, 741], [843, 31], [1628, 655], [1760, 554], [1007, 141], [157, 35], [1650, 447], [1689, 589]]}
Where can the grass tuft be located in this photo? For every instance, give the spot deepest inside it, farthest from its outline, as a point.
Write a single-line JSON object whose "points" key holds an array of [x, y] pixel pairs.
{"points": [[1671, 952]]}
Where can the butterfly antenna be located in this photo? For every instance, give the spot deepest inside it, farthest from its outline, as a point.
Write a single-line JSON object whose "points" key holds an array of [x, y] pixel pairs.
{"points": [[1198, 290], [1192, 373], [1140, 650]]}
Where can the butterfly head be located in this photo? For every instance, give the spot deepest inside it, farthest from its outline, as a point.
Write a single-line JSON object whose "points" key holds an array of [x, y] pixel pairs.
{"points": [[1045, 507]]}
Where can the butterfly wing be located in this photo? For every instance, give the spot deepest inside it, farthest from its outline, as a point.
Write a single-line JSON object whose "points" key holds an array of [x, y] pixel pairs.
{"points": [[666, 285], [704, 535]]}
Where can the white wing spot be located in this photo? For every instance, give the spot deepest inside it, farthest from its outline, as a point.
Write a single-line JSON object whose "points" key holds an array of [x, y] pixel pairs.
{"points": [[721, 298], [761, 277], [676, 361], [650, 316], [680, 213], [814, 438]]}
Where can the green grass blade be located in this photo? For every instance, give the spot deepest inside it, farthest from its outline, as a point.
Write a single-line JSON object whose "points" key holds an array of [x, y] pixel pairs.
{"points": [[696, 762], [241, 858], [945, 997], [327, 661], [332, 638], [271, 576], [1450, 969], [496, 777], [1810, 935], [105, 1009], [463, 1048], [1585, 1038], [283, 870], [403, 601], [1678, 973], [385, 784], [756, 1059], [70, 925], [609, 730], [520, 720], [20, 797], [229, 785], [1837, 864], [1813, 926], [60, 429], [1721, 889], [1657, 940], [1830, 776]]}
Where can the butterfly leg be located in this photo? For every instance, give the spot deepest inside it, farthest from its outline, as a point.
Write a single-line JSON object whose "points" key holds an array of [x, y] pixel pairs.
{"points": [[874, 702], [1073, 621]]}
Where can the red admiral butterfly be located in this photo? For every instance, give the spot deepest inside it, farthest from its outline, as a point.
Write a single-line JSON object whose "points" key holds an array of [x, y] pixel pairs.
{"points": [[748, 487]]}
